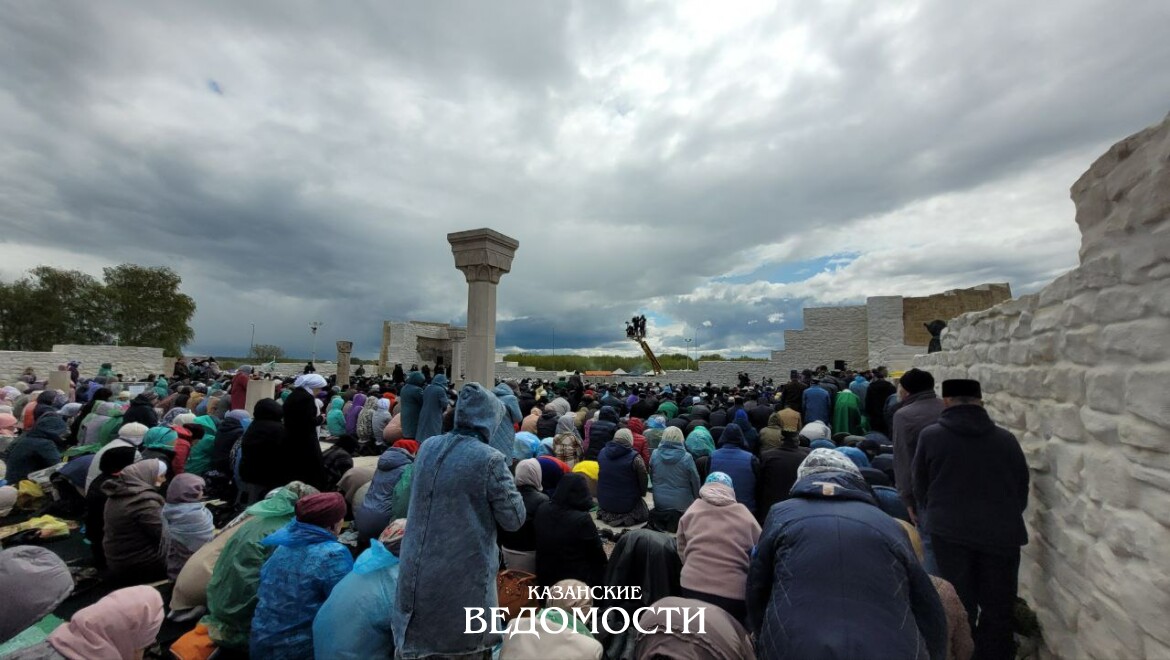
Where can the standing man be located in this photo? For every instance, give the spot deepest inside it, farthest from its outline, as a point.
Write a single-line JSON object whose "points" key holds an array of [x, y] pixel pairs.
{"points": [[876, 395], [240, 387], [919, 409], [971, 480]]}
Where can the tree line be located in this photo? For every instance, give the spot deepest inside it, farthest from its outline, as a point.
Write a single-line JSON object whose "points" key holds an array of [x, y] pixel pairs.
{"points": [[633, 365], [131, 305]]}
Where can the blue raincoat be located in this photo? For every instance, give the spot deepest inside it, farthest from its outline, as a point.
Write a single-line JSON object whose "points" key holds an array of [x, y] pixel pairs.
{"points": [[335, 420], [410, 401], [505, 431], [294, 583], [354, 622], [434, 404], [461, 490]]}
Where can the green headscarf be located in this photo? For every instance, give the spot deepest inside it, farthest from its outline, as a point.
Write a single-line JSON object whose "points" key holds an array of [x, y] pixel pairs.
{"points": [[700, 443]]}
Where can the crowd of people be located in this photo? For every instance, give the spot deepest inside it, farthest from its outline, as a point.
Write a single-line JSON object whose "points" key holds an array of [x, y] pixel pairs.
{"points": [[838, 514]]}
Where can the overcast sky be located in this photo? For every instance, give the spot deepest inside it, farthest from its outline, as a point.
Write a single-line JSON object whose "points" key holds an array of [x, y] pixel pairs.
{"points": [[715, 165]]}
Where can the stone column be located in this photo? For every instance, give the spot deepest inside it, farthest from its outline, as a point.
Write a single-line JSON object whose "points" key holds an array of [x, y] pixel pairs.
{"points": [[484, 256], [344, 349], [457, 337], [384, 356]]}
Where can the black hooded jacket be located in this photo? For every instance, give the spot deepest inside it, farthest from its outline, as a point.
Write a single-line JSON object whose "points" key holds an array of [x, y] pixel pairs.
{"points": [[601, 431], [264, 455], [141, 410], [567, 544]]}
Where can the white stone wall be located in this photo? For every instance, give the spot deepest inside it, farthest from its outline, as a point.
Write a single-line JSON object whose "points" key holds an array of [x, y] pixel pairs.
{"points": [[404, 336], [885, 330], [830, 333], [1079, 372], [130, 361]]}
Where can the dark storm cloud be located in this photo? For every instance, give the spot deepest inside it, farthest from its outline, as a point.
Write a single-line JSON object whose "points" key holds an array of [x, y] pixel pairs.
{"points": [[640, 153]]}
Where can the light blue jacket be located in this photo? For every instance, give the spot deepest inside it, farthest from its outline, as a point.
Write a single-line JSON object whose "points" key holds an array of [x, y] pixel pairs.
{"points": [[354, 622], [675, 478]]}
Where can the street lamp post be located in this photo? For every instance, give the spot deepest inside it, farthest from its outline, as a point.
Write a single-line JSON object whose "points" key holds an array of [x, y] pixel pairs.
{"points": [[688, 341], [313, 327], [252, 343]]}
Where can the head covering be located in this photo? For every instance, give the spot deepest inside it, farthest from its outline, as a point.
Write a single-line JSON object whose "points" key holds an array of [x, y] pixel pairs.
{"points": [[185, 487], [70, 410], [7, 423], [528, 473], [961, 387], [34, 581], [567, 424], [116, 459], [856, 455], [576, 595], [184, 419], [117, 626], [816, 431], [310, 381], [392, 536], [916, 380], [822, 444], [673, 434], [160, 437], [409, 445], [383, 404], [587, 468], [699, 442], [323, 509], [526, 445], [826, 460], [133, 433], [656, 422], [720, 478], [143, 473], [239, 415], [8, 496], [624, 437]]}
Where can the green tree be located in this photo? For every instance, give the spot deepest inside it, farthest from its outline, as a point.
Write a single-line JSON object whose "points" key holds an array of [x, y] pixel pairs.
{"points": [[52, 306], [267, 352], [147, 309]]}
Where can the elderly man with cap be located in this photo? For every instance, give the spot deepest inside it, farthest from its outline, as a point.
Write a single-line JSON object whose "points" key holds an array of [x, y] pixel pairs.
{"points": [[919, 408], [298, 577], [971, 480], [803, 605]]}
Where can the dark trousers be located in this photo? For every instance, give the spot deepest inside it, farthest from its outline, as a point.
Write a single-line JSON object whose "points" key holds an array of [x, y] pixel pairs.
{"points": [[736, 608], [986, 583]]}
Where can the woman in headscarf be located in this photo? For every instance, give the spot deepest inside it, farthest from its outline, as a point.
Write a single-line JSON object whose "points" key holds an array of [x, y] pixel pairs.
{"points": [[622, 481], [715, 540], [701, 445], [118, 627], [189, 523], [567, 543], [434, 404], [335, 418], [751, 436], [352, 624], [519, 547], [526, 445], [552, 470], [298, 577], [100, 395], [377, 508], [365, 422], [352, 410], [381, 420], [37, 449], [567, 442], [573, 642], [654, 428], [134, 542], [110, 465], [675, 478], [303, 451], [34, 581]]}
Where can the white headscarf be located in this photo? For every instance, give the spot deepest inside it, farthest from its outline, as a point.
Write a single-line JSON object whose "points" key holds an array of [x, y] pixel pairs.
{"points": [[310, 382]]}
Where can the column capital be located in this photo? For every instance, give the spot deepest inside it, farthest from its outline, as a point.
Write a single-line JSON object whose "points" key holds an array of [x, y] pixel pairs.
{"points": [[484, 255], [345, 347]]}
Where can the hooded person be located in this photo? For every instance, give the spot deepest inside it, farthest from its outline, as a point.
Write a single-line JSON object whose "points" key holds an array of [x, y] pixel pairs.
{"points": [[161, 442], [601, 432], [142, 410], [798, 609], [297, 578], [134, 539], [199, 460], [574, 641], [411, 400], [120, 626], [722, 637], [567, 543], [814, 431], [735, 460], [505, 431], [778, 468], [566, 441], [8, 497], [715, 538], [229, 432], [655, 425], [673, 473], [130, 435], [772, 436], [34, 581], [376, 510], [546, 424], [353, 623], [264, 465], [36, 450], [751, 437], [526, 445], [337, 459], [365, 421], [847, 416], [302, 451], [381, 420], [434, 404], [622, 481], [454, 514], [519, 546], [335, 418], [233, 584], [188, 522], [110, 466]]}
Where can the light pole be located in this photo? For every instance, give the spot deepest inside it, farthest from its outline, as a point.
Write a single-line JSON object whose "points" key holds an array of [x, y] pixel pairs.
{"points": [[688, 341], [252, 343], [313, 327]]}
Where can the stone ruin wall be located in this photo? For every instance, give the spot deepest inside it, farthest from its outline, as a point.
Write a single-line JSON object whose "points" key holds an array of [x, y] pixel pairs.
{"points": [[130, 361], [1079, 372], [947, 305]]}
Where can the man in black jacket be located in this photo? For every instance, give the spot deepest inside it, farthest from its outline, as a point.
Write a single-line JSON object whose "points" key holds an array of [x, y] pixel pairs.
{"points": [[971, 479], [778, 468]]}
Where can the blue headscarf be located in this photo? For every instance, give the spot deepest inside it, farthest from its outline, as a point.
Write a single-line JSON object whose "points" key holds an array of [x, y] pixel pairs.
{"points": [[720, 478], [856, 455], [822, 444], [526, 445]]}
